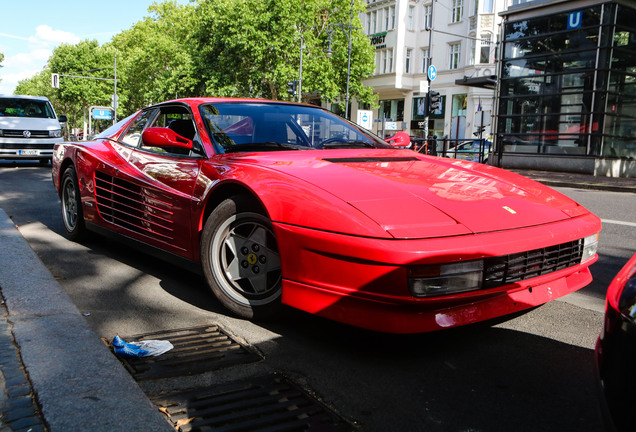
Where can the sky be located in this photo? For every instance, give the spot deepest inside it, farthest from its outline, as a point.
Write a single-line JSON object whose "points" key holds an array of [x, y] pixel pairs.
{"points": [[31, 29]]}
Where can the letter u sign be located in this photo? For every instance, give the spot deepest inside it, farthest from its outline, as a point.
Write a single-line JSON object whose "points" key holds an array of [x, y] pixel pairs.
{"points": [[575, 19]]}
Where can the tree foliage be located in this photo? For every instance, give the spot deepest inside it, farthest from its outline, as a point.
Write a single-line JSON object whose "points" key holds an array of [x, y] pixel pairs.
{"points": [[252, 47], [244, 48]]}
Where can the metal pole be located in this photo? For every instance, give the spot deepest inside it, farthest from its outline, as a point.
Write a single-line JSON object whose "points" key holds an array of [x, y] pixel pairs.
{"points": [[428, 79], [115, 100], [349, 64], [300, 73]]}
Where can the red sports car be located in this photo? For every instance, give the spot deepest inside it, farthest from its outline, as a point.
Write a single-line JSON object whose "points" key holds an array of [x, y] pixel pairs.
{"points": [[284, 203]]}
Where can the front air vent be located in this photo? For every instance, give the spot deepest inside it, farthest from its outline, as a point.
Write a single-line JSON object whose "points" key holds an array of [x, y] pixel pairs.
{"points": [[371, 159], [125, 204]]}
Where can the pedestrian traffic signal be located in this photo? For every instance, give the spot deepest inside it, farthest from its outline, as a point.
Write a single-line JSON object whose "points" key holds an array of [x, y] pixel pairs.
{"points": [[292, 87], [434, 101]]}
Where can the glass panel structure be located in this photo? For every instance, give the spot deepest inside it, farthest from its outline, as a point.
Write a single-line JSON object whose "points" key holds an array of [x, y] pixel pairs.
{"points": [[568, 83]]}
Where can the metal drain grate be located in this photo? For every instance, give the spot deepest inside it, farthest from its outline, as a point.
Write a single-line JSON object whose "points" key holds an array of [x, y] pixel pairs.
{"points": [[196, 350], [261, 404]]}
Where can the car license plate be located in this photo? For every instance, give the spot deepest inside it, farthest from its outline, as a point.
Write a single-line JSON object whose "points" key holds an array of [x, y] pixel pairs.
{"points": [[29, 152]]}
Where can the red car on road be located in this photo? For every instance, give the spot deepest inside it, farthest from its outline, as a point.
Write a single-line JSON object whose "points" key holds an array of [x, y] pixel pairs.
{"points": [[284, 203]]}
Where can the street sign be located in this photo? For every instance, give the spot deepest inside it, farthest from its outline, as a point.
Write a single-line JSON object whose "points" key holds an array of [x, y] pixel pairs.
{"points": [[365, 119], [55, 80], [102, 114], [575, 19], [432, 72]]}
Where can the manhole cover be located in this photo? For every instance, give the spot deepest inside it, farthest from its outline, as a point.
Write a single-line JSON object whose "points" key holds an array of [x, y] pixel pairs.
{"points": [[196, 350], [269, 403]]}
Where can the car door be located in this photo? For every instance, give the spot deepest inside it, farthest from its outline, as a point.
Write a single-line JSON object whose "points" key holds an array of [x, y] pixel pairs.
{"points": [[155, 188]]}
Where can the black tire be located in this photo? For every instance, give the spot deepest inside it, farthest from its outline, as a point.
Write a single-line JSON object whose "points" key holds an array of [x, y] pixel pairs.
{"points": [[240, 259], [72, 214]]}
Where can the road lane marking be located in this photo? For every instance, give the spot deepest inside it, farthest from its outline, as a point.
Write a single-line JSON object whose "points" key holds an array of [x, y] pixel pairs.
{"points": [[615, 222]]}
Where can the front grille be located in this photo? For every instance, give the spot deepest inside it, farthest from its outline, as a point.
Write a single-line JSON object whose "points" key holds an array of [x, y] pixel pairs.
{"points": [[38, 146], [125, 204], [12, 133], [507, 269]]}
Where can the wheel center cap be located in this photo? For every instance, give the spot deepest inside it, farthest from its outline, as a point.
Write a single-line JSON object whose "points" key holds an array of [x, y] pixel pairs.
{"points": [[252, 258]]}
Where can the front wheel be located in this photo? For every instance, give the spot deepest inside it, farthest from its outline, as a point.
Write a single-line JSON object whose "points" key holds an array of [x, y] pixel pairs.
{"points": [[240, 259], [72, 214]]}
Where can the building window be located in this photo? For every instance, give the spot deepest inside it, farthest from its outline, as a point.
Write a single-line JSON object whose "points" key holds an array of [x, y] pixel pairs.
{"points": [[374, 22], [407, 66], [385, 58], [458, 11], [411, 17], [387, 19], [487, 6], [428, 16], [484, 52], [455, 53], [392, 12], [425, 60]]}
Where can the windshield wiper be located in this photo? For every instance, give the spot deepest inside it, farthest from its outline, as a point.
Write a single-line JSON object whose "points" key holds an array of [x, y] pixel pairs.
{"points": [[264, 146], [348, 144]]}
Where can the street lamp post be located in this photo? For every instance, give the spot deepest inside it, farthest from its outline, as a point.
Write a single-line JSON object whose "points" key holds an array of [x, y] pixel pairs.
{"points": [[329, 51]]}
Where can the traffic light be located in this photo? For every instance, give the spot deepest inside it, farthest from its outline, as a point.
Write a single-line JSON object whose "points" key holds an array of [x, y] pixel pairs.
{"points": [[292, 87], [434, 101]]}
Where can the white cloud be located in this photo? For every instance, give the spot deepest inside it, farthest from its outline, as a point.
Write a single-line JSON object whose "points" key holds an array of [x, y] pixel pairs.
{"points": [[45, 35], [22, 60]]}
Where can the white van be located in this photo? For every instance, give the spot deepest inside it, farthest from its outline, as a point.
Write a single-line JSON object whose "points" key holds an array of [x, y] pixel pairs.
{"points": [[29, 128]]}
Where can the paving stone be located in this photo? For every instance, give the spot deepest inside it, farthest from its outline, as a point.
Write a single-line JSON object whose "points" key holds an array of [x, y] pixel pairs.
{"points": [[15, 414]]}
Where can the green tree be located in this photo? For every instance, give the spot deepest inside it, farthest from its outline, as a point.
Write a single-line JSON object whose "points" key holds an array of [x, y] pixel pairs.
{"points": [[251, 48], [84, 59], [1, 60], [154, 63]]}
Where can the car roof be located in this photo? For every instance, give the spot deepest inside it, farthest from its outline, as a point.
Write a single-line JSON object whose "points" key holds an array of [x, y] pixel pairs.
{"points": [[41, 98], [203, 100]]}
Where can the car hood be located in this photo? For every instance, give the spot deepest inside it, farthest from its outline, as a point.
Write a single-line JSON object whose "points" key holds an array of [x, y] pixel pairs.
{"points": [[28, 123], [415, 196]]}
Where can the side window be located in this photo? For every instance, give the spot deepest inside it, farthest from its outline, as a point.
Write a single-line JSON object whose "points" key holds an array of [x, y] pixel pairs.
{"points": [[179, 120], [132, 137]]}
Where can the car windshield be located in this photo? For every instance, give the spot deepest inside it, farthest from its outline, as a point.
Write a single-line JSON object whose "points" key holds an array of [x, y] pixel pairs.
{"points": [[19, 107], [248, 127]]}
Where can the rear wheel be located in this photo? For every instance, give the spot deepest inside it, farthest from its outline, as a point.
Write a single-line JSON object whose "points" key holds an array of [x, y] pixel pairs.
{"points": [[72, 214], [240, 259]]}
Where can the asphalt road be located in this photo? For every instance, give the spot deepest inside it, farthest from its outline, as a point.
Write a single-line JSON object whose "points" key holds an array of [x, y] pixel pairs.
{"points": [[534, 372]]}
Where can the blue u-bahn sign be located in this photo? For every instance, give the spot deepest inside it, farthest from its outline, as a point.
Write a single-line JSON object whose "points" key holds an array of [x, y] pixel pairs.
{"points": [[102, 114], [575, 20]]}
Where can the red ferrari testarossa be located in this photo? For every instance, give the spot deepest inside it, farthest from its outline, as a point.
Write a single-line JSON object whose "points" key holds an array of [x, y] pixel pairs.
{"points": [[285, 203]]}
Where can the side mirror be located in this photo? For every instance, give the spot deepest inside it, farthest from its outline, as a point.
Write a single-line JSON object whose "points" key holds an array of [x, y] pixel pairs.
{"points": [[400, 139], [62, 119], [164, 138]]}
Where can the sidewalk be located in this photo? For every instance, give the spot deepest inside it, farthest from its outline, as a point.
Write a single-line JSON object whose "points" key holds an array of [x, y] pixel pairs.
{"points": [[76, 384], [57, 375], [581, 181]]}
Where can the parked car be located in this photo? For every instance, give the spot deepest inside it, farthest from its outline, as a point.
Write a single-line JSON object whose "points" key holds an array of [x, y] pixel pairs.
{"points": [[284, 203], [474, 151], [616, 350], [29, 128]]}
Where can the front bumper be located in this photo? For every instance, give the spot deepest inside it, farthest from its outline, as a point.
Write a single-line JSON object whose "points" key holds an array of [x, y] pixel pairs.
{"points": [[363, 282], [28, 148]]}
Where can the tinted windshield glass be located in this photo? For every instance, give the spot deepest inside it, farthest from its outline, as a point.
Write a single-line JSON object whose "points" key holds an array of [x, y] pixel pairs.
{"points": [[237, 127], [18, 107]]}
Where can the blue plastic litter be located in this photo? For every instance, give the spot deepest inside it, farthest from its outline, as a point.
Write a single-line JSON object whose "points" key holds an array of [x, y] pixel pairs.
{"points": [[140, 349], [125, 349]]}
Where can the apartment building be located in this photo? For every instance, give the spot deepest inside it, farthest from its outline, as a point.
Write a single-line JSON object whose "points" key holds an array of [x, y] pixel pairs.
{"points": [[461, 47]]}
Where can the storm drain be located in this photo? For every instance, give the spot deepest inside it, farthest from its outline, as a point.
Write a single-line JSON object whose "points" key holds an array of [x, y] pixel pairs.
{"points": [[262, 404], [196, 350]]}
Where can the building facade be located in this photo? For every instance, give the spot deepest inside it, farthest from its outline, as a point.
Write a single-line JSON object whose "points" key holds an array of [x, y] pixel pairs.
{"points": [[567, 87], [461, 47]]}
